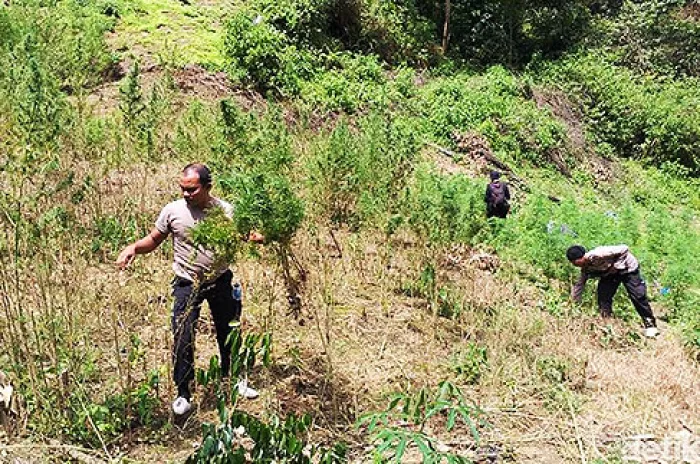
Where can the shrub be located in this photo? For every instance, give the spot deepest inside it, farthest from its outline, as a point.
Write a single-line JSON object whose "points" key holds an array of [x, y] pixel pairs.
{"points": [[262, 52], [45, 52], [470, 362], [396, 31], [357, 177], [348, 83], [485, 32], [644, 118], [38, 109], [68, 36], [493, 105], [254, 161], [303, 22], [274, 440], [415, 411], [652, 37], [445, 210]]}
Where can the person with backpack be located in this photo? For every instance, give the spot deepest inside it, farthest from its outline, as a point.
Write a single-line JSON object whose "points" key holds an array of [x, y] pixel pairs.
{"points": [[613, 265], [497, 196]]}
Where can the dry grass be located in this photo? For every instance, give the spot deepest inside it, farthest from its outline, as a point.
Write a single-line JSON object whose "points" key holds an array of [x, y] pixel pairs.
{"points": [[360, 337]]}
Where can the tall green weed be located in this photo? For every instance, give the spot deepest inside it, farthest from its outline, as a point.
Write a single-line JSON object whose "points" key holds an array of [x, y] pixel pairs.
{"points": [[357, 175]]}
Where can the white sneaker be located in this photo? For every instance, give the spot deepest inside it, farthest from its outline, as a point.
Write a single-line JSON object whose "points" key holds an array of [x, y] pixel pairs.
{"points": [[181, 406], [651, 332], [245, 391]]}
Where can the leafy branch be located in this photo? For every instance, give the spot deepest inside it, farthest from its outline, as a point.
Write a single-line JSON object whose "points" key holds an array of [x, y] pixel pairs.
{"points": [[402, 424]]}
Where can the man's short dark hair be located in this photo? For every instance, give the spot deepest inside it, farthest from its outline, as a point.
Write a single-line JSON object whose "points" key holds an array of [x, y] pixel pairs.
{"points": [[495, 175], [202, 171], [575, 252]]}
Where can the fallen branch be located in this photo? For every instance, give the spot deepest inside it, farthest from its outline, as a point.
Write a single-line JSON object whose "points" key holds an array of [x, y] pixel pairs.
{"points": [[516, 181]]}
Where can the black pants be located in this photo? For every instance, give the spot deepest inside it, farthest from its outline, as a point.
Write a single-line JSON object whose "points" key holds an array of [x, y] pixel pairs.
{"points": [[188, 303], [499, 211], [636, 289]]}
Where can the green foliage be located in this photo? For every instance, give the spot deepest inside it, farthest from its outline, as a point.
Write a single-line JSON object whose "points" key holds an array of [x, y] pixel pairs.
{"points": [[392, 441], [263, 55], [470, 362], [266, 202], [449, 303], [553, 369], [356, 175], [445, 210], [195, 130], [644, 118], [68, 38], [304, 22], [334, 178], [92, 423], [111, 232], [653, 37], [254, 158], [37, 108], [275, 440], [218, 233], [348, 83], [245, 352], [394, 30], [140, 115], [131, 105], [410, 32], [259, 179], [495, 106]]}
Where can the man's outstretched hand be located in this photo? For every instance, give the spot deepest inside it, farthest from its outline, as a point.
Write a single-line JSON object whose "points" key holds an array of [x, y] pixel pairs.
{"points": [[126, 257]]}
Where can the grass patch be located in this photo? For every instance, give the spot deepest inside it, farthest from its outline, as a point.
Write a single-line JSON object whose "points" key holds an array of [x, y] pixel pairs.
{"points": [[175, 32]]}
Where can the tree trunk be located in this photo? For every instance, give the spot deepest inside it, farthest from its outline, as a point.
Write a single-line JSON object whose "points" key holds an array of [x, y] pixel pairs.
{"points": [[446, 28]]}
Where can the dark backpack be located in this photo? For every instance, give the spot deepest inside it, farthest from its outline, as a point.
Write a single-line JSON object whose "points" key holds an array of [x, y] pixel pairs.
{"points": [[498, 194]]}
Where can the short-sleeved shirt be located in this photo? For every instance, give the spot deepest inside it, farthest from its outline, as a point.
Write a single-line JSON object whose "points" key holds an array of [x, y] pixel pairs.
{"points": [[190, 262]]}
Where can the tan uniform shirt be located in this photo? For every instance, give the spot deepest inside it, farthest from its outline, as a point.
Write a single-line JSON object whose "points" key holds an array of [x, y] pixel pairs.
{"points": [[190, 262]]}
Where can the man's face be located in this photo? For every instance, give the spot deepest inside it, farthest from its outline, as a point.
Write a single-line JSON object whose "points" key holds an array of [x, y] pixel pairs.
{"points": [[193, 191], [579, 262]]}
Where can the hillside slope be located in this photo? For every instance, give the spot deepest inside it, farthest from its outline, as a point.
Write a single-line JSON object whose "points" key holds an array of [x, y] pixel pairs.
{"points": [[404, 285]]}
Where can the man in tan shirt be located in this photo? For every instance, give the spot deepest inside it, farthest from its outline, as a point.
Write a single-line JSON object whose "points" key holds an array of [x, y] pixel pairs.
{"points": [[198, 277], [613, 265]]}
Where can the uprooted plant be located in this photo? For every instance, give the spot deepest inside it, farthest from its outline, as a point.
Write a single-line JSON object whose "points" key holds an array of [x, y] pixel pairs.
{"points": [[254, 157]]}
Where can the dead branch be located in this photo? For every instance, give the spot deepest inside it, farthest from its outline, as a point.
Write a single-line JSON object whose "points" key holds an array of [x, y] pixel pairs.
{"points": [[516, 181]]}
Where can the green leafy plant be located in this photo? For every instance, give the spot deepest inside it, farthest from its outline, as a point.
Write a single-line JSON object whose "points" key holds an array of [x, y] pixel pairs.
{"points": [[648, 118], [260, 186], [469, 363], [274, 440], [218, 233], [141, 115], [263, 56], [392, 441]]}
